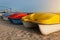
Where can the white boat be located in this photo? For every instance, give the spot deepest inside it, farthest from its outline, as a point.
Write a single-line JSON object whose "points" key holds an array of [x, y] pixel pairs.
{"points": [[1, 14], [47, 23], [47, 29], [29, 24], [5, 18]]}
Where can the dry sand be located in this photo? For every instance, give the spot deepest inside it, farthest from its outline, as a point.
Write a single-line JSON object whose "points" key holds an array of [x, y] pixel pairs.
{"points": [[9, 31]]}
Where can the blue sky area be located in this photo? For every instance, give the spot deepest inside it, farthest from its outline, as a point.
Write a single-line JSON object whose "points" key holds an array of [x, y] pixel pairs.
{"points": [[26, 5]]}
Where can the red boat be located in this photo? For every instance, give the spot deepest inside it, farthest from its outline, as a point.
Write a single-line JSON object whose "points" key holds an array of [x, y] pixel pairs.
{"points": [[16, 17]]}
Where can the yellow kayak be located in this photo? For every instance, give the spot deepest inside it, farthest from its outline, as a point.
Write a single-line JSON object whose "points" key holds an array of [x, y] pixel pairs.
{"points": [[43, 18]]}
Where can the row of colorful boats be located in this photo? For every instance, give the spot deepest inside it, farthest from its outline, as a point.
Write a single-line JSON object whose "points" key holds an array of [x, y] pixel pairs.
{"points": [[47, 22]]}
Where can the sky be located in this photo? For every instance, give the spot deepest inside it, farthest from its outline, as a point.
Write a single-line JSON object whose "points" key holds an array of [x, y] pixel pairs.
{"points": [[31, 5]]}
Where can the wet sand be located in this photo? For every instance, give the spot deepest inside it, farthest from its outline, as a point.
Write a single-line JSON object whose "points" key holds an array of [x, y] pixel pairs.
{"points": [[10, 31]]}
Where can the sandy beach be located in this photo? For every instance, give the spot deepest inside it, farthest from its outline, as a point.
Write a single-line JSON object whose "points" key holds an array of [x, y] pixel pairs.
{"points": [[10, 31]]}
